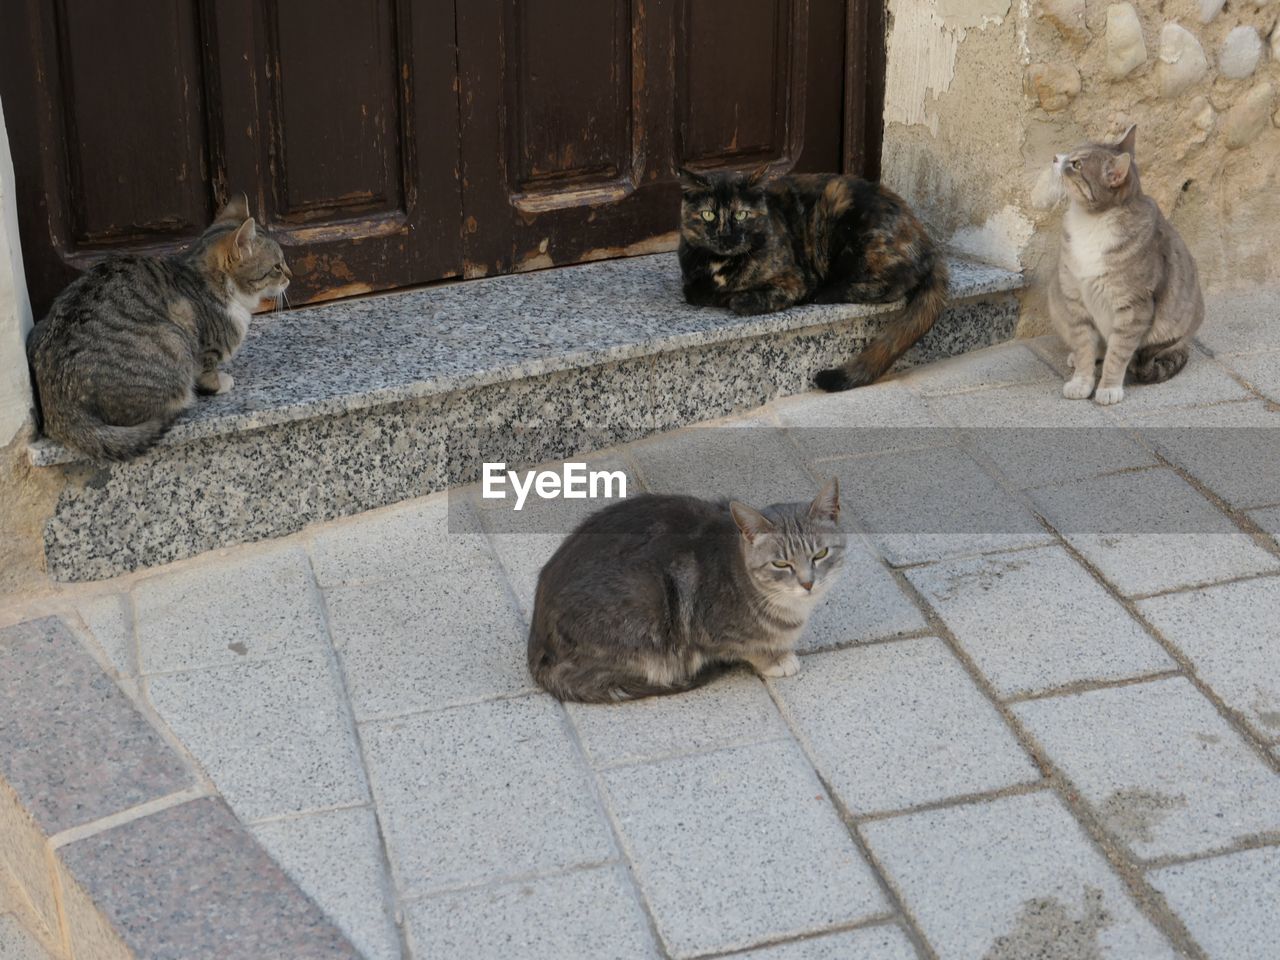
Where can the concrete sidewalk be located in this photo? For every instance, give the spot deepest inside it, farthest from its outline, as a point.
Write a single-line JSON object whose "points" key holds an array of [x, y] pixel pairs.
{"points": [[1033, 739]]}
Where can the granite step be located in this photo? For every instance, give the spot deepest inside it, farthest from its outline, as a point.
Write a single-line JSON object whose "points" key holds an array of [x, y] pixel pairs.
{"points": [[344, 407]]}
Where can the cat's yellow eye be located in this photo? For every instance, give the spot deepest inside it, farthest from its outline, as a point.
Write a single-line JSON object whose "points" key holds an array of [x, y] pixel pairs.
{"points": [[821, 554], [740, 215], [781, 564], [708, 215]]}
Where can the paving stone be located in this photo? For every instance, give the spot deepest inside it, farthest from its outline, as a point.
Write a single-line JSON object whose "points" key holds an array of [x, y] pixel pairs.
{"points": [[925, 504], [1231, 448], [734, 709], [274, 736], [873, 943], [190, 883], [524, 541], [1150, 531], [758, 466], [1261, 370], [109, 620], [483, 792], [446, 637], [584, 915], [1011, 879], [739, 846], [1228, 632], [1035, 436], [1228, 903], [1201, 381], [398, 542], [979, 370], [1163, 771], [336, 858], [250, 606], [921, 730], [72, 746], [1268, 521], [865, 603], [1036, 620], [16, 943], [875, 419], [1243, 322]]}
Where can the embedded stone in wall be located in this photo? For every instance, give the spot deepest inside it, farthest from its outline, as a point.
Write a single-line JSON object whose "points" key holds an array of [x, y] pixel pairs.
{"points": [[1202, 116], [1054, 84], [1182, 60], [1067, 17], [1248, 117], [1275, 42], [1210, 9], [1240, 53], [1126, 50]]}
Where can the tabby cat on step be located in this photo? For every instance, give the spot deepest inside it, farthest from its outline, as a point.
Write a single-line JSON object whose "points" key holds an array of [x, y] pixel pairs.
{"points": [[652, 595], [811, 238], [1126, 289], [128, 343]]}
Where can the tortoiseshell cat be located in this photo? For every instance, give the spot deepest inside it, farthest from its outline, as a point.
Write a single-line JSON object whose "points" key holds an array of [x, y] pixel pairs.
{"points": [[128, 343], [811, 238]]}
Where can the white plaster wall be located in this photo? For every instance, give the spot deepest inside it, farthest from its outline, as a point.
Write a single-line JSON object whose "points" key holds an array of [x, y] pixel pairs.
{"points": [[15, 309]]}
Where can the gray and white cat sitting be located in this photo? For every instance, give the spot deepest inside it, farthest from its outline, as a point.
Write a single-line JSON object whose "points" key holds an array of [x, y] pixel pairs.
{"points": [[125, 347], [1126, 289], [652, 595]]}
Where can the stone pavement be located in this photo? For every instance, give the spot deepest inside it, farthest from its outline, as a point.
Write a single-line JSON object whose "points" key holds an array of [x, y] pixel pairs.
{"points": [[1039, 716]]}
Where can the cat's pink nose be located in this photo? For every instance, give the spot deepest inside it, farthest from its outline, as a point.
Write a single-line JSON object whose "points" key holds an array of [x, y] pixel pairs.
{"points": [[807, 584]]}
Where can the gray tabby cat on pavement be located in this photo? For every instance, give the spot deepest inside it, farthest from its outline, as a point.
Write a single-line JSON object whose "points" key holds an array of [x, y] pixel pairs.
{"points": [[654, 594]]}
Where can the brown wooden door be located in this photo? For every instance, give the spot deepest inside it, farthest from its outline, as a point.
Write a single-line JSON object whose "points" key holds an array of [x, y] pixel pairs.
{"points": [[131, 121], [388, 143], [576, 116]]}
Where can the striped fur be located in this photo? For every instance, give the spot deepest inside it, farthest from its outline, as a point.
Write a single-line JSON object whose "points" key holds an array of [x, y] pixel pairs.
{"points": [[125, 348]]}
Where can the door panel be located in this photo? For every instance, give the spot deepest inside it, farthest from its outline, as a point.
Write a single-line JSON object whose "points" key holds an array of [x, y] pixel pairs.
{"points": [[570, 147], [739, 100], [334, 132], [572, 99], [339, 120], [122, 193]]}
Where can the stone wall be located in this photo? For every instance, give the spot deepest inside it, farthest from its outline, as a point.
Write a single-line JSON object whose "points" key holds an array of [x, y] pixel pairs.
{"points": [[981, 93]]}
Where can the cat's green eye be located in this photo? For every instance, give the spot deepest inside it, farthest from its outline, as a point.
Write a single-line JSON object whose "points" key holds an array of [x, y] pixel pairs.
{"points": [[708, 215], [821, 554], [781, 564], [740, 215]]}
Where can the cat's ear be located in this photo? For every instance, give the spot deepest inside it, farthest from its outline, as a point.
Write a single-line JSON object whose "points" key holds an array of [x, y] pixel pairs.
{"points": [[242, 240], [757, 176], [236, 210], [692, 180], [826, 505], [1117, 169], [1129, 140], [750, 521]]}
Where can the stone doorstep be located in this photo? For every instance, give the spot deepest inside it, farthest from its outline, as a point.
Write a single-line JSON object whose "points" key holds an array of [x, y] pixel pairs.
{"points": [[119, 850], [343, 408], [339, 358]]}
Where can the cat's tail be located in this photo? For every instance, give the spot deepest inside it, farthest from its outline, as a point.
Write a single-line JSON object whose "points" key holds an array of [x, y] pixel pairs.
{"points": [[1158, 362], [108, 442], [924, 305]]}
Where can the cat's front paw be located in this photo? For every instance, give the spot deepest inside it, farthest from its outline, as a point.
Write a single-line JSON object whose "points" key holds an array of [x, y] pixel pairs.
{"points": [[1078, 388], [787, 665], [750, 304], [225, 382], [1108, 395]]}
